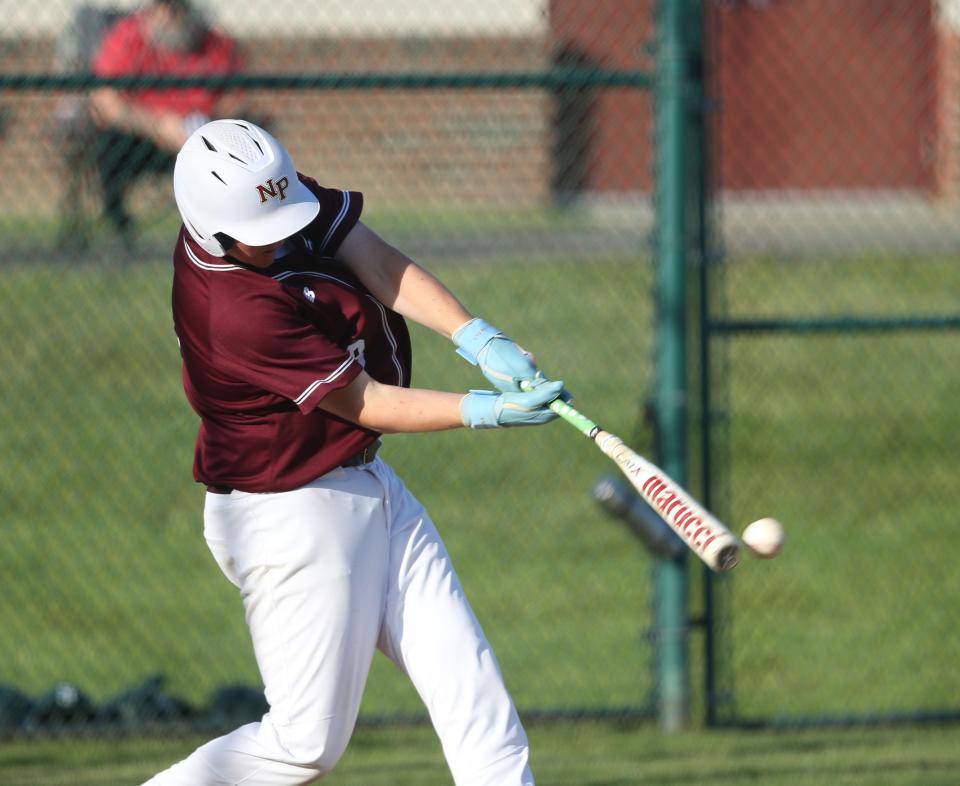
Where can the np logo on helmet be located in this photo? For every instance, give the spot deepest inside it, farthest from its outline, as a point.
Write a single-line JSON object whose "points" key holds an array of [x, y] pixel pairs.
{"points": [[273, 189]]}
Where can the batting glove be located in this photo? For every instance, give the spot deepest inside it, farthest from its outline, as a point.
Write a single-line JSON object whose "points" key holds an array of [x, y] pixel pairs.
{"points": [[501, 361], [486, 409]]}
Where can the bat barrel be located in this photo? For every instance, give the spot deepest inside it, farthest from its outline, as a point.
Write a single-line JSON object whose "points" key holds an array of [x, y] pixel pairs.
{"points": [[705, 536]]}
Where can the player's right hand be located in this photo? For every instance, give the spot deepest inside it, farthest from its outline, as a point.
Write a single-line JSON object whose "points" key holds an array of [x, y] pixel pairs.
{"points": [[487, 409], [502, 362]]}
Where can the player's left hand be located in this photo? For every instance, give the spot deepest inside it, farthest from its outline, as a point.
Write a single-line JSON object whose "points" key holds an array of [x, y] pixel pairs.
{"points": [[488, 409], [503, 363]]}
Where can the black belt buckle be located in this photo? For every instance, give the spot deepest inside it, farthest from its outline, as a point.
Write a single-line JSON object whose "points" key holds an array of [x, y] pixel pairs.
{"points": [[368, 454]]}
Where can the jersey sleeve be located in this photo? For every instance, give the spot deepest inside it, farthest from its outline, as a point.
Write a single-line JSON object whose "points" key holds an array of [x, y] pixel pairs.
{"points": [[339, 213], [268, 344]]}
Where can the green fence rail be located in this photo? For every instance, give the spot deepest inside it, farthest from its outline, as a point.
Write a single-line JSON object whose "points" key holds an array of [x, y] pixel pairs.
{"points": [[557, 78]]}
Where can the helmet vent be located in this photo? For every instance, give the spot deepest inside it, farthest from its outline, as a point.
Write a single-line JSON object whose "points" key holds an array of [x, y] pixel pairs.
{"points": [[209, 144], [241, 144], [218, 177]]}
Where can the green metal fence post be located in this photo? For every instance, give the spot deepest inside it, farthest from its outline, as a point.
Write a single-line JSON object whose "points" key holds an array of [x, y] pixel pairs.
{"points": [[678, 24]]}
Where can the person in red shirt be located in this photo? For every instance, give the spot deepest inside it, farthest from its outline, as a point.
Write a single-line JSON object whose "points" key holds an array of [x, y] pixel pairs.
{"points": [[140, 131], [290, 316]]}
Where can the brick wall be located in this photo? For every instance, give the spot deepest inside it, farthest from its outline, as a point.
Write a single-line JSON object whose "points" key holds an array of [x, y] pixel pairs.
{"points": [[813, 94], [948, 117], [828, 94], [614, 126]]}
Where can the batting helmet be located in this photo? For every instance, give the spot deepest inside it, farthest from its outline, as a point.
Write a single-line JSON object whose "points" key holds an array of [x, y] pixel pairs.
{"points": [[233, 181]]}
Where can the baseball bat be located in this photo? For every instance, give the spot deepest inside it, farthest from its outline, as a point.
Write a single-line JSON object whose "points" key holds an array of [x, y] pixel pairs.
{"points": [[617, 497], [710, 540]]}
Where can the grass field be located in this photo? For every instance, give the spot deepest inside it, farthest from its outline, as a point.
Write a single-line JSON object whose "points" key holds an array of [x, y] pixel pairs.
{"points": [[583, 754], [848, 438], [103, 518]]}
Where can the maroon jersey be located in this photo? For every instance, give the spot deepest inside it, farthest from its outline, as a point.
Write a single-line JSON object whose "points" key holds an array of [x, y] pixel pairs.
{"points": [[262, 347]]}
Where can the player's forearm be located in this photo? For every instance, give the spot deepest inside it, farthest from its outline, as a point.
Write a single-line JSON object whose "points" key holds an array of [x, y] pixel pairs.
{"points": [[393, 410], [413, 410]]}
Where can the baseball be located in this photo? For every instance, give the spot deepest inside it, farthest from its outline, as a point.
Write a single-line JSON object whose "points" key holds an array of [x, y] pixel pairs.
{"points": [[764, 538]]}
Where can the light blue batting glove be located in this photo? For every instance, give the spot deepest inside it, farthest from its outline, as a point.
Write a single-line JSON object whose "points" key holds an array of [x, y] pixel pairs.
{"points": [[502, 362], [486, 409]]}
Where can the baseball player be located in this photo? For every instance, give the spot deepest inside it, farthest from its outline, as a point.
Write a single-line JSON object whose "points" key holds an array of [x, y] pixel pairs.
{"points": [[290, 317]]}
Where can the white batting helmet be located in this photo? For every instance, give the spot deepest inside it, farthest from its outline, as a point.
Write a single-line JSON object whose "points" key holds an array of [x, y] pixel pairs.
{"points": [[234, 178]]}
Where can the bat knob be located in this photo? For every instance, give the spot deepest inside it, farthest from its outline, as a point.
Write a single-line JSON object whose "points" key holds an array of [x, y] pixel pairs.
{"points": [[728, 557]]}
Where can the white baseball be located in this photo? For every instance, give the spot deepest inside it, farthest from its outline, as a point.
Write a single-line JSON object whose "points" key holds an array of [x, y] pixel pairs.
{"points": [[764, 538]]}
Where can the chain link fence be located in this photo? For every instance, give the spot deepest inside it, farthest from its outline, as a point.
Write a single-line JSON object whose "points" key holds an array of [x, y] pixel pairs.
{"points": [[833, 335], [473, 131], [508, 146]]}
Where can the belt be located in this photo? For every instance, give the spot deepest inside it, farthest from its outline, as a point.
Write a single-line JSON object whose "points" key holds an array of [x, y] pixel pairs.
{"points": [[365, 456]]}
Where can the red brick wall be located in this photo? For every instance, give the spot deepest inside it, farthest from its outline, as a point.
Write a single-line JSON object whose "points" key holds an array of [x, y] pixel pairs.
{"points": [[947, 170], [618, 154], [813, 94], [825, 94]]}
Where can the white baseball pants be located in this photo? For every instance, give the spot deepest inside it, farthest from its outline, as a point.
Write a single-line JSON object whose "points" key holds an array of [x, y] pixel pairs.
{"points": [[327, 573]]}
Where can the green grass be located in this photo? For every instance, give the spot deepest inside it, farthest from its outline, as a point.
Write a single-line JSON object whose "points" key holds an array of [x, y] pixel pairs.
{"points": [[848, 438], [103, 531], [583, 754]]}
